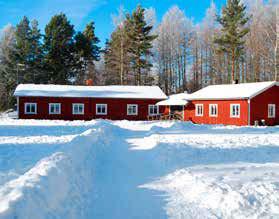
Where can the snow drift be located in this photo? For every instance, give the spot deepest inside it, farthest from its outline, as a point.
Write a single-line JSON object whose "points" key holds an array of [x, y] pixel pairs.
{"points": [[122, 169], [55, 186]]}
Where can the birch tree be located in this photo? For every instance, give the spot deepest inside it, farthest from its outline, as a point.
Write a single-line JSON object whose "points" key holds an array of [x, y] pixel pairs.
{"points": [[175, 34], [8, 71]]}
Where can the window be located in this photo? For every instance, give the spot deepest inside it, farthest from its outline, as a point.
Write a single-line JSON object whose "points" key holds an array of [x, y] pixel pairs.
{"points": [[235, 110], [213, 110], [132, 109], [54, 108], [30, 108], [153, 110], [199, 109], [78, 108], [271, 110], [101, 109]]}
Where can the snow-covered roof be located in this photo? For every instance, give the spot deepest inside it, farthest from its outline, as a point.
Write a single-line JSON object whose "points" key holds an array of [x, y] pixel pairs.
{"points": [[113, 91], [175, 100], [231, 91]]}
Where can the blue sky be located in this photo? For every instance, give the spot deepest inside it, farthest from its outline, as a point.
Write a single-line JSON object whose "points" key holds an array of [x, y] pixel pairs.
{"points": [[81, 12]]}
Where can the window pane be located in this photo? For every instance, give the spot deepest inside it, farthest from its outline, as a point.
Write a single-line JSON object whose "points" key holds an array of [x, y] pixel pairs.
{"points": [[155, 110]]}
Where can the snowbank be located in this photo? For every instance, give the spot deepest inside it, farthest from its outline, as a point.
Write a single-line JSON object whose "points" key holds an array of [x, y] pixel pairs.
{"points": [[222, 191], [102, 169], [56, 184]]}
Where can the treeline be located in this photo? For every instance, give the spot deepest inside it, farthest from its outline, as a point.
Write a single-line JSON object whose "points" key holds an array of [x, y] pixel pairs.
{"points": [[240, 43], [59, 56], [127, 55]]}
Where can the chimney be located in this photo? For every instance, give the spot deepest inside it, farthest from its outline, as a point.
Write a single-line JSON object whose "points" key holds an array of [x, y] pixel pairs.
{"points": [[89, 82]]}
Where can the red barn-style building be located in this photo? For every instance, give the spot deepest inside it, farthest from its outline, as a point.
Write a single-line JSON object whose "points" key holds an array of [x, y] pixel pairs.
{"points": [[232, 104], [87, 102]]}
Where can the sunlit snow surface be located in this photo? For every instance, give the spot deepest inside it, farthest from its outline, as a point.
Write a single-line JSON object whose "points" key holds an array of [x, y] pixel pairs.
{"points": [[102, 169]]}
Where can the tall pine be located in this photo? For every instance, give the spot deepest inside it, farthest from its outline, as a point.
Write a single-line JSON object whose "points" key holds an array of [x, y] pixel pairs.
{"points": [[117, 58], [139, 33], [36, 74], [59, 49], [82, 51], [233, 21], [28, 53], [23, 50], [94, 53], [86, 53]]}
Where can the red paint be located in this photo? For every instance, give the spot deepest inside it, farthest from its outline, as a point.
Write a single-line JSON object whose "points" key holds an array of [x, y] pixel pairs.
{"points": [[223, 116], [117, 108], [259, 106], [258, 110]]}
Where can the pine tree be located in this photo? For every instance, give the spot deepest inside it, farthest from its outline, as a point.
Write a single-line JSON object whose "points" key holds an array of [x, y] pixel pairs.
{"points": [[86, 52], [117, 57], [110, 61], [23, 50], [28, 54], [94, 53], [36, 54], [89, 33], [58, 49], [233, 21], [82, 51], [141, 39]]}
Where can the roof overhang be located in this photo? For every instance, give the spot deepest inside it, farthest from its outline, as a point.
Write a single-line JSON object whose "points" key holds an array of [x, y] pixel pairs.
{"points": [[220, 92], [171, 102], [218, 99], [108, 92]]}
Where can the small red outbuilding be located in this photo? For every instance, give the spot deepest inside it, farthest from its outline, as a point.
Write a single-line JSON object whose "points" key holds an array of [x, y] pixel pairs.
{"points": [[67, 102], [233, 104]]}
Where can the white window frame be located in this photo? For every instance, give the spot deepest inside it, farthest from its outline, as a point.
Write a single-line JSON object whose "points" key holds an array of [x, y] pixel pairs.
{"points": [[197, 109], [152, 107], [54, 113], [211, 112], [77, 104], [30, 113], [273, 106], [231, 110], [101, 105], [132, 105]]}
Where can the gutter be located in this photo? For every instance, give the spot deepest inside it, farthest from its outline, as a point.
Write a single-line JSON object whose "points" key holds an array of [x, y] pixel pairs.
{"points": [[249, 112], [17, 106]]}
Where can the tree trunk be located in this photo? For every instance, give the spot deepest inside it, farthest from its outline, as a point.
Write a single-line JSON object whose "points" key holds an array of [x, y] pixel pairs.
{"points": [[233, 65]]}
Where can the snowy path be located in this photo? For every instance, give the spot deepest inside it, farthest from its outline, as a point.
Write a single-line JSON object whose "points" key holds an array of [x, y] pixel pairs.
{"points": [[119, 174], [137, 170]]}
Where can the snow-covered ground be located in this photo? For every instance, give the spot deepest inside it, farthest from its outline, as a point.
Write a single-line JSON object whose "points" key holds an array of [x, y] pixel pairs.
{"points": [[102, 169]]}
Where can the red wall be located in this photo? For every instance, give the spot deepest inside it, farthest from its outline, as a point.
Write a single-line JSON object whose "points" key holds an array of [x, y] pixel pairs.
{"points": [[223, 112], [259, 106], [117, 108]]}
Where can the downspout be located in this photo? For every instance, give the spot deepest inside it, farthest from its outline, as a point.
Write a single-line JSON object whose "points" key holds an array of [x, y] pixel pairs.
{"points": [[183, 113], [17, 106], [249, 112]]}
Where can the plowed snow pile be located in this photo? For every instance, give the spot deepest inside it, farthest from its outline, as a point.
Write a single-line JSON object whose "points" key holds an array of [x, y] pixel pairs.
{"points": [[101, 169]]}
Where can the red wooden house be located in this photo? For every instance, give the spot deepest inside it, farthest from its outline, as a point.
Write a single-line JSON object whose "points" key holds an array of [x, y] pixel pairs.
{"points": [[232, 104], [87, 102]]}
